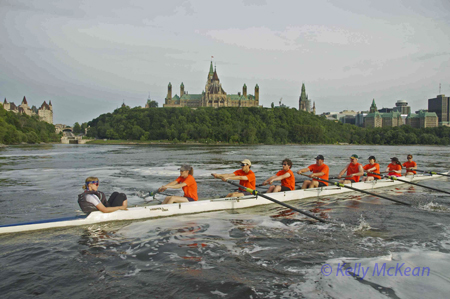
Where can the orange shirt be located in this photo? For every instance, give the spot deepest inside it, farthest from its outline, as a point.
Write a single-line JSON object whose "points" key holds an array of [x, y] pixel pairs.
{"points": [[190, 190], [351, 169], [250, 183], [410, 165], [394, 167], [323, 168], [288, 182], [377, 169]]}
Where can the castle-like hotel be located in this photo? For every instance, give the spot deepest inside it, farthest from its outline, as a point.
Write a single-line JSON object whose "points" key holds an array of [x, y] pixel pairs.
{"points": [[45, 112], [213, 95]]}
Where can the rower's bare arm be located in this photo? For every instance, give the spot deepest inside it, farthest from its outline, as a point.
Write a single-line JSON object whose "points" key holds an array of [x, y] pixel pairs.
{"points": [[169, 185], [279, 178], [303, 170], [317, 174], [178, 186], [361, 171], [342, 171], [269, 180]]}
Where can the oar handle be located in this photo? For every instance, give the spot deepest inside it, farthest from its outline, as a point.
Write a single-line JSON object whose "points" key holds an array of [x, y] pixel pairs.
{"points": [[432, 172], [256, 193]]}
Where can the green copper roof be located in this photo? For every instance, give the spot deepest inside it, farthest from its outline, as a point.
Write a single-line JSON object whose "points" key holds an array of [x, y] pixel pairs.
{"points": [[182, 84], [190, 97], [211, 71], [176, 97]]}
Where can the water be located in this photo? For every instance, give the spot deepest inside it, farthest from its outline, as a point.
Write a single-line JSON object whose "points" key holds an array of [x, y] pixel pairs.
{"points": [[262, 252]]}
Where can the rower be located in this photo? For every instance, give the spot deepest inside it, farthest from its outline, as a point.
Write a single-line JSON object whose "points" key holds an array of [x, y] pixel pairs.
{"points": [[245, 176], [319, 170], [286, 176], [372, 167], [410, 165], [395, 168], [354, 171], [187, 182]]}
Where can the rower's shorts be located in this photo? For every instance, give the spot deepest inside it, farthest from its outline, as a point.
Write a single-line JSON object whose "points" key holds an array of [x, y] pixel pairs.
{"points": [[190, 198], [322, 184], [284, 188]]}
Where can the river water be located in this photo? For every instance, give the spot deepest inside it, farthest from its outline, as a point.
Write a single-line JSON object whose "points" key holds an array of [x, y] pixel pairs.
{"points": [[373, 249]]}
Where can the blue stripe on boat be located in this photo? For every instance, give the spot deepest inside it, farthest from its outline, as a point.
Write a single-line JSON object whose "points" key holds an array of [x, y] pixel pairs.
{"points": [[47, 221]]}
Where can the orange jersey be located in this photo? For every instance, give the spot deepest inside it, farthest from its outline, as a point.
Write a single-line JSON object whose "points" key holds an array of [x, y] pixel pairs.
{"points": [[392, 167], [288, 182], [323, 168], [410, 165], [190, 190], [250, 183], [351, 169], [377, 169]]}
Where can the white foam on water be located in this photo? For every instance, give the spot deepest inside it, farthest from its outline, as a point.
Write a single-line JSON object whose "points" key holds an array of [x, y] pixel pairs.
{"points": [[218, 293], [433, 207], [432, 283], [363, 225]]}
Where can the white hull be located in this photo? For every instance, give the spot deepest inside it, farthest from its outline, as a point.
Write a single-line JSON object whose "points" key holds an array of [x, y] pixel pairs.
{"points": [[155, 211]]}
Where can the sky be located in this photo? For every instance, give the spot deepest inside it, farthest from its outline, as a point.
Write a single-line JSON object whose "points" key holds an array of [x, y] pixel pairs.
{"points": [[88, 57]]}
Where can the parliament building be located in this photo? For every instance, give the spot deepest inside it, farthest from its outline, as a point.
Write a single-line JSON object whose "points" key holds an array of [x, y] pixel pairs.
{"points": [[213, 95]]}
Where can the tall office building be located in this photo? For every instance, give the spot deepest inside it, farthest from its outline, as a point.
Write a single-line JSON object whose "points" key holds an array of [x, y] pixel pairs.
{"points": [[441, 106]]}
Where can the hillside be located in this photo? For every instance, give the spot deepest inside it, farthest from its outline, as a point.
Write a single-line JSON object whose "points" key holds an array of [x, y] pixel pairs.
{"points": [[249, 125]]}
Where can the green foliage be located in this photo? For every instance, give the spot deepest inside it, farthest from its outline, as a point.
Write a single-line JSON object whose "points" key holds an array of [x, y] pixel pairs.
{"points": [[21, 128], [249, 125]]}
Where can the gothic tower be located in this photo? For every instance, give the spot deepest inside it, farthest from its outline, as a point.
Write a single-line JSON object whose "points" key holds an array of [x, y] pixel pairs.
{"points": [[303, 101], [181, 89], [373, 107], [244, 90], [257, 92], [169, 91]]}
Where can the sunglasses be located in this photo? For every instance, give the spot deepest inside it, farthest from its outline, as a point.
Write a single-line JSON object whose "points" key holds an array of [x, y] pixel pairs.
{"points": [[242, 164], [284, 164], [409, 158], [92, 182]]}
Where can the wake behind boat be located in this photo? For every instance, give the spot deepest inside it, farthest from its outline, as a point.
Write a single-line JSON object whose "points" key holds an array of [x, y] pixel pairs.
{"points": [[208, 205]]}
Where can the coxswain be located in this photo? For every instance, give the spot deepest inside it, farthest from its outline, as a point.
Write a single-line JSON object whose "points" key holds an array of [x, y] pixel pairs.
{"points": [[319, 170], [354, 171], [92, 200], [245, 176], [187, 182], [372, 167], [285, 175], [410, 166]]}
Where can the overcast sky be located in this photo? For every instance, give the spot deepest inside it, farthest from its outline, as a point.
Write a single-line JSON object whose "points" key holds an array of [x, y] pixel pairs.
{"points": [[87, 57]]}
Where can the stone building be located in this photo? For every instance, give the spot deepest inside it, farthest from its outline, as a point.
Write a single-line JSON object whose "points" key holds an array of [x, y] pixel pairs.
{"points": [[441, 106], [376, 119], [45, 112], [423, 119], [402, 107], [304, 103], [213, 95]]}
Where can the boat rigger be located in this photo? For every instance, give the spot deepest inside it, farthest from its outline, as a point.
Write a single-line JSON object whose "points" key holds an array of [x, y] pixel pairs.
{"points": [[201, 206]]}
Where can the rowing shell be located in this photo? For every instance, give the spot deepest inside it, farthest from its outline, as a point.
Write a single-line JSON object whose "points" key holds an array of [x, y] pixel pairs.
{"points": [[201, 206]]}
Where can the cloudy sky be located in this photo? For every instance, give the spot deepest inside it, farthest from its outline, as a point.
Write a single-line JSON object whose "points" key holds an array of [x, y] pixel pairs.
{"points": [[87, 57]]}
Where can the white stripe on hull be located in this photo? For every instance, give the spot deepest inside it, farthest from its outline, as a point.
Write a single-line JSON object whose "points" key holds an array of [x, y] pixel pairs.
{"points": [[155, 211]]}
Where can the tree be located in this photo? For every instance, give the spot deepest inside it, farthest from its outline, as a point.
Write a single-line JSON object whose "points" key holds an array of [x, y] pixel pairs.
{"points": [[152, 104], [76, 128]]}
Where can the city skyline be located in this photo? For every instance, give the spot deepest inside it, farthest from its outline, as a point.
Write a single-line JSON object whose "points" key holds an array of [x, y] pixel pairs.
{"points": [[87, 57]]}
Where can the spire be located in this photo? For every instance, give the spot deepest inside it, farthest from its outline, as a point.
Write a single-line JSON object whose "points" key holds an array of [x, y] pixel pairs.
{"points": [[5, 101], [211, 71], [303, 87], [215, 77], [50, 103], [24, 101]]}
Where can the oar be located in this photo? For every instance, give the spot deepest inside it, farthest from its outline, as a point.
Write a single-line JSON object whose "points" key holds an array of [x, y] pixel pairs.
{"points": [[394, 178], [432, 172], [362, 191], [254, 192]]}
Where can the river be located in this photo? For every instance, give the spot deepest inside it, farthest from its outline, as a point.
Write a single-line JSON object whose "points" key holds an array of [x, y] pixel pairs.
{"points": [[373, 249]]}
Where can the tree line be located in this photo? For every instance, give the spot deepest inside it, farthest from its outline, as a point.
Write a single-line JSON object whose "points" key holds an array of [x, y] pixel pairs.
{"points": [[21, 128], [253, 125]]}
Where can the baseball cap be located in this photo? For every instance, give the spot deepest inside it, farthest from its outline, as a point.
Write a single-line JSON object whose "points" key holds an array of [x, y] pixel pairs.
{"points": [[354, 156], [372, 157], [246, 161], [320, 157]]}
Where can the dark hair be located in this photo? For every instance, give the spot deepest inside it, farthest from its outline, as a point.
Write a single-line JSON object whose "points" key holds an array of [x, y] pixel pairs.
{"points": [[409, 156], [191, 171], [396, 161], [289, 162]]}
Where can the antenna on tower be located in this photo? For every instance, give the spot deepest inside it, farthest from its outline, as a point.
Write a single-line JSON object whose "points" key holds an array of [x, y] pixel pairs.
{"points": [[439, 88]]}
